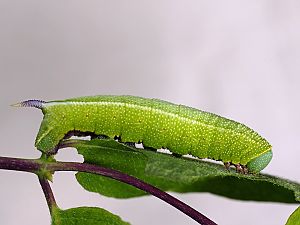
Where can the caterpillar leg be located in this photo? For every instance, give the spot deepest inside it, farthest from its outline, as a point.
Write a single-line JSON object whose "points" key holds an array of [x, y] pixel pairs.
{"points": [[245, 169], [117, 138], [96, 136], [67, 142], [176, 155], [150, 148], [130, 144], [241, 169], [227, 165], [79, 133]]}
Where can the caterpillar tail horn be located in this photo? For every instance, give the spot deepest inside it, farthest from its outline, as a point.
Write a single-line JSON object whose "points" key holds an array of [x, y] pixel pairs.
{"points": [[39, 104]]}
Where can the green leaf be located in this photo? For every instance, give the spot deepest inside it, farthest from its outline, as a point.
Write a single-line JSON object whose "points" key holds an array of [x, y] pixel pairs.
{"points": [[294, 219], [86, 216], [176, 174]]}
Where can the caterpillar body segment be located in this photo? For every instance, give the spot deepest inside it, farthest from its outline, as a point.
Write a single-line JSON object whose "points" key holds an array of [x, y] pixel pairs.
{"points": [[155, 123]]}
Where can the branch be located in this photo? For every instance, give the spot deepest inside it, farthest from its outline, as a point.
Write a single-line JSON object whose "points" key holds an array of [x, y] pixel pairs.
{"points": [[48, 193], [26, 165], [34, 166], [84, 167]]}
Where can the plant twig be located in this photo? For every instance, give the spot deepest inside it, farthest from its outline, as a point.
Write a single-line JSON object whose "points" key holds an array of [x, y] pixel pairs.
{"points": [[48, 193], [107, 172], [26, 165], [34, 166]]}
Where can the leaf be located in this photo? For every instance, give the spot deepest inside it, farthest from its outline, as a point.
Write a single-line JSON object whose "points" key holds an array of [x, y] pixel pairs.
{"points": [[294, 219], [176, 174], [86, 216]]}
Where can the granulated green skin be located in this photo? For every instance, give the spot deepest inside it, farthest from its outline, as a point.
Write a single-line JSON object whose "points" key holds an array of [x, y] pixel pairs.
{"points": [[156, 124]]}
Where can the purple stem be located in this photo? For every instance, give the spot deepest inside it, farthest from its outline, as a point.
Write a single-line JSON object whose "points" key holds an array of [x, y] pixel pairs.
{"points": [[34, 166], [27, 165], [48, 194]]}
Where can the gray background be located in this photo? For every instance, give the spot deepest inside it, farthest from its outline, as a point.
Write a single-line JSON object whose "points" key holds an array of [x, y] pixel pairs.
{"points": [[240, 59]]}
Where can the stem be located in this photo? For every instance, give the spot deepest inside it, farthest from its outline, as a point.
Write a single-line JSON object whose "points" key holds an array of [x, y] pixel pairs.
{"points": [[34, 166], [84, 167], [26, 165], [48, 193]]}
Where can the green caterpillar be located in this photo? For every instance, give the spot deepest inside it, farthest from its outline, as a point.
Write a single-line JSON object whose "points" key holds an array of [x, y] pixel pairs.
{"points": [[156, 124]]}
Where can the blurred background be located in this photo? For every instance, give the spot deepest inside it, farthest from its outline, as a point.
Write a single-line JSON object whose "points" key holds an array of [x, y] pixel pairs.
{"points": [[237, 59]]}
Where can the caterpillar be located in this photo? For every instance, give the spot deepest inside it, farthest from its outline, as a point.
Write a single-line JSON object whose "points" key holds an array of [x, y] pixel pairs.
{"points": [[154, 123]]}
